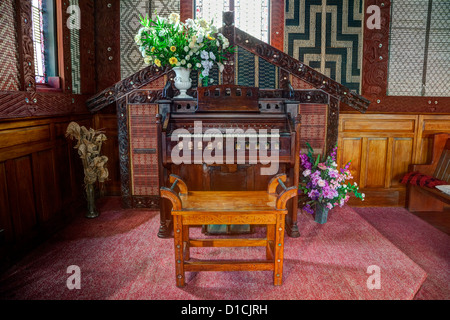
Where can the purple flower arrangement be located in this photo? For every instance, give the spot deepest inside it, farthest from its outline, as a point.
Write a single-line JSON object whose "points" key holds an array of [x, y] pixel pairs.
{"points": [[323, 183]]}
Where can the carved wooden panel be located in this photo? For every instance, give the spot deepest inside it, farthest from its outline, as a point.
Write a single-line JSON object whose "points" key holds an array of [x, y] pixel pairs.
{"points": [[107, 44], [23, 104], [25, 40], [277, 24], [88, 47]]}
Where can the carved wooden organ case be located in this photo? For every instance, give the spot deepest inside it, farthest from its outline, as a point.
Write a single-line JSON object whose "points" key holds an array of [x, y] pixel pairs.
{"points": [[148, 117]]}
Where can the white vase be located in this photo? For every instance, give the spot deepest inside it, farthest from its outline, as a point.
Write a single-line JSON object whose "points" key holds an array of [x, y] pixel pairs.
{"points": [[182, 81]]}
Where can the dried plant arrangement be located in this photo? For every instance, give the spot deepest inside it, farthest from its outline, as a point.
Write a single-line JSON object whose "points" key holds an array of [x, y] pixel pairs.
{"points": [[89, 146]]}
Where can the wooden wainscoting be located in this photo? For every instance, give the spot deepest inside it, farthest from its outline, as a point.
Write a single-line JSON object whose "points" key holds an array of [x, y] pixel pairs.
{"points": [[41, 181], [381, 146]]}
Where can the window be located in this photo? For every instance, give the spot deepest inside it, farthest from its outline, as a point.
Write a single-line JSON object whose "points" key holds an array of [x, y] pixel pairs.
{"points": [[38, 41], [44, 39], [250, 16], [419, 48]]}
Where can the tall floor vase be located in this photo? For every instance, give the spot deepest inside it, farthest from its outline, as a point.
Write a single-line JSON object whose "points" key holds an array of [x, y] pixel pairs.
{"points": [[92, 211]]}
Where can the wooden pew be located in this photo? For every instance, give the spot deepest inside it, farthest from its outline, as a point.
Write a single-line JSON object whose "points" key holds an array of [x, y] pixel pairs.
{"points": [[431, 199]]}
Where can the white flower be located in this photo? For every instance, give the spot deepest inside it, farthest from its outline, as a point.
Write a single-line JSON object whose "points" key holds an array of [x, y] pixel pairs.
{"points": [[211, 80], [205, 72], [200, 38], [174, 17], [189, 65], [307, 172], [186, 48], [183, 61], [204, 55], [217, 43], [190, 23], [212, 56], [162, 33], [321, 183], [191, 45], [198, 65], [147, 59], [138, 40], [221, 66]]}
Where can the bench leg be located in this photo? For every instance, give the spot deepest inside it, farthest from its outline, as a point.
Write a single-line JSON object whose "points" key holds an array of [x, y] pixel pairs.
{"points": [[186, 252], [279, 248], [178, 244], [270, 241]]}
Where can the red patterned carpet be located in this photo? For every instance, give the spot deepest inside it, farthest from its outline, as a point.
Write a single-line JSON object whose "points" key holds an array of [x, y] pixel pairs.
{"points": [[120, 257], [424, 244]]}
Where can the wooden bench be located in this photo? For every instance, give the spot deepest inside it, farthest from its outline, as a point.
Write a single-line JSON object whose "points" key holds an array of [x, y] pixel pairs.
{"points": [[420, 198], [195, 208]]}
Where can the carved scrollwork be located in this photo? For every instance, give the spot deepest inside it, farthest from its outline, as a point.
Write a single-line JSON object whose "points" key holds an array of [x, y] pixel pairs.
{"points": [[144, 96], [124, 152]]}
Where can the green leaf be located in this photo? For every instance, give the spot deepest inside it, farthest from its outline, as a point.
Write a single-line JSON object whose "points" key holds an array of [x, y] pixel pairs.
{"points": [[317, 160]]}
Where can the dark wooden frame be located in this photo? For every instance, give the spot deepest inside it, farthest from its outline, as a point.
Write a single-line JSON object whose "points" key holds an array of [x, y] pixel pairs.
{"points": [[34, 101], [375, 72]]}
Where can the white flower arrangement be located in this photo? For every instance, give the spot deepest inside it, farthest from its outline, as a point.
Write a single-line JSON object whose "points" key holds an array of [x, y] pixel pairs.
{"points": [[193, 44]]}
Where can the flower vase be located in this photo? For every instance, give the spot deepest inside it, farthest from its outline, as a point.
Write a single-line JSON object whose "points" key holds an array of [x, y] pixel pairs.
{"points": [[91, 209], [182, 82], [321, 213]]}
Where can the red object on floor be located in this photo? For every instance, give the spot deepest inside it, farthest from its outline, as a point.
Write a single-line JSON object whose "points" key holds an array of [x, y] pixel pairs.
{"points": [[121, 257]]}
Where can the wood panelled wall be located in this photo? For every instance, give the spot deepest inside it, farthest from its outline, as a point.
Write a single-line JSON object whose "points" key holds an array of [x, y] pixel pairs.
{"points": [[381, 146], [41, 181]]}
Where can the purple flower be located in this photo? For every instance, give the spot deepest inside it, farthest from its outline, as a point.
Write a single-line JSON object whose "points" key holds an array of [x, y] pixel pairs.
{"points": [[308, 208]]}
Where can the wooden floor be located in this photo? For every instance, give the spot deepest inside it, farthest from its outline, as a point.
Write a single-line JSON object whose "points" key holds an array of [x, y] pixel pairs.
{"points": [[440, 220]]}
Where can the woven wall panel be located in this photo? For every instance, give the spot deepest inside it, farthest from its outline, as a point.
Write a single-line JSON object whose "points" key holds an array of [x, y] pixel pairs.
{"points": [[75, 56], [313, 127], [327, 36], [131, 59], [143, 141], [9, 60]]}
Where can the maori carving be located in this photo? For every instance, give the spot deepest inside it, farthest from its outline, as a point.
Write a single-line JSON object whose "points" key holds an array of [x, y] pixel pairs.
{"points": [[124, 152], [151, 202], [277, 28], [121, 88], [332, 125], [23, 104], [107, 44], [87, 47], [376, 52], [26, 51], [145, 96], [228, 30], [311, 96]]}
